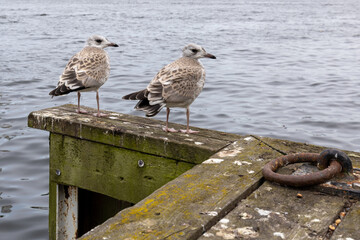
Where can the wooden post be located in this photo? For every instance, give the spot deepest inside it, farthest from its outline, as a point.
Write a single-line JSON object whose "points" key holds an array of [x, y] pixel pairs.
{"points": [[67, 212]]}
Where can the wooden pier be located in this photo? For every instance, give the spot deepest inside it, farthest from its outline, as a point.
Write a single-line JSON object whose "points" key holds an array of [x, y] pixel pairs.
{"points": [[122, 177]]}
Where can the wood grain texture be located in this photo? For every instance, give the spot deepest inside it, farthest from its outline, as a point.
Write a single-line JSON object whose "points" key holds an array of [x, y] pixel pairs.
{"points": [[109, 170], [185, 207], [275, 212]]}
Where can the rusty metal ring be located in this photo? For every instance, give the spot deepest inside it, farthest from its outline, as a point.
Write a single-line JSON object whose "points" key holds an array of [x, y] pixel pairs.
{"points": [[332, 154], [304, 180]]}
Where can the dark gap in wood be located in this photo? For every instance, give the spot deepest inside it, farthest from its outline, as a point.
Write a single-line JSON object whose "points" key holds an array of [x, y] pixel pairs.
{"points": [[279, 151], [95, 208], [231, 206], [341, 215]]}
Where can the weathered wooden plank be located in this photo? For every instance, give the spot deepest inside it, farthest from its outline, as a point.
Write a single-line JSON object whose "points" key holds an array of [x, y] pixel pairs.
{"points": [[139, 134], [108, 170], [151, 122], [288, 147], [349, 228], [191, 203], [275, 212]]}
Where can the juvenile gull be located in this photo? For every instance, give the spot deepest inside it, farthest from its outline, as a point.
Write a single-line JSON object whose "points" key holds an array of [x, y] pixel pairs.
{"points": [[86, 71], [175, 85]]}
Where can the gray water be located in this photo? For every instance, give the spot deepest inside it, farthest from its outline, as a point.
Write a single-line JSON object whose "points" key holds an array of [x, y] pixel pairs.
{"points": [[284, 69]]}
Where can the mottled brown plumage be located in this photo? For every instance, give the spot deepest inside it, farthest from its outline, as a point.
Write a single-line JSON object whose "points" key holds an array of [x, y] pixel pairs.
{"points": [[177, 84], [86, 71]]}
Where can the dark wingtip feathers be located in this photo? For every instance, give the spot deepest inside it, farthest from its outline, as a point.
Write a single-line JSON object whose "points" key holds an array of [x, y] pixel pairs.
{"points": [[62, 89], [140, 95], [151, 110], [144, 104]]}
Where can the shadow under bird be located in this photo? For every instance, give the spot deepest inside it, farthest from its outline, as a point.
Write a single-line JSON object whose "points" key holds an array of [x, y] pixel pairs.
{"points": [[177, 84], [86, 71]]}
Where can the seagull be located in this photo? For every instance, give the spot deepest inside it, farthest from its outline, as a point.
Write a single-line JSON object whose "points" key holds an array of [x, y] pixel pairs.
{"points": [[177, 84], [86, 71]]}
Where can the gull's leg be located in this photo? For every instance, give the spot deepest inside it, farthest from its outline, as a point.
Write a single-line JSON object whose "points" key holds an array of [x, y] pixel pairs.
{"points": [[79, 110], [166, 129], [188, 130], [99, 114]]}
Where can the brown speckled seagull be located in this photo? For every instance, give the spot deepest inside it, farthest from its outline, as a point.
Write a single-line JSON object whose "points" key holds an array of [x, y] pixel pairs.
{"points": [[176, 85], [86, 71]]}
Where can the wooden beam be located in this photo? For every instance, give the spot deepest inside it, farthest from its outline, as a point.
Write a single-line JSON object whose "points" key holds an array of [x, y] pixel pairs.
{"points": [[109, 170], [131, 132]]}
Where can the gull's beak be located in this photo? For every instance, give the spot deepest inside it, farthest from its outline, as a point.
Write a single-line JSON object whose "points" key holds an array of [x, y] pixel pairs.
{"points": [[112, 45], [208, 55]]}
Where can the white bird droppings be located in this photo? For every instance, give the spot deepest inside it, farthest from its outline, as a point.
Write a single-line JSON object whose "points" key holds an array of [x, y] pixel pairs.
{"points": [[315, 220], [247, 232], [248, 138], [250, 171], [230, 153], [242, 163], [84, 119], [213, 161], [245, 215], [279, 234], [225, 235], [208, 235], [262, 212], [199, 143], [268, 189], [224, 221], [212, 213]]}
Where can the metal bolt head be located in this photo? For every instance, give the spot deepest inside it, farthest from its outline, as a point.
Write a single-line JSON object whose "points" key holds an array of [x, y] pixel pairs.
{"points": [[141, 163], [58, 172]]}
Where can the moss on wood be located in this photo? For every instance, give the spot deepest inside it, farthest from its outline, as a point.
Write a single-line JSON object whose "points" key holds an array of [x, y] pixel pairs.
{"points": [[109, 170], [191, 203], [135, 133]]}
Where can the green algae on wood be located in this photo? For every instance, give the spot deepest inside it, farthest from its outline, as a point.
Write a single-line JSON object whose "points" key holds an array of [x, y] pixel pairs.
{"points": [[108, 170], [135, 133], [191, 203]]}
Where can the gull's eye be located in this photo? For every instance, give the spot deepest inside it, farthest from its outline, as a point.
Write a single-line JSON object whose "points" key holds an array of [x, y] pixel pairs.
{"points": [[98, 40], [194, 50]]}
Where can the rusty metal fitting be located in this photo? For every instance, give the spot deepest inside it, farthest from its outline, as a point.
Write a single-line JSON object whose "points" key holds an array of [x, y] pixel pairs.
{"points": [[332, 154], [322, 160]]}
